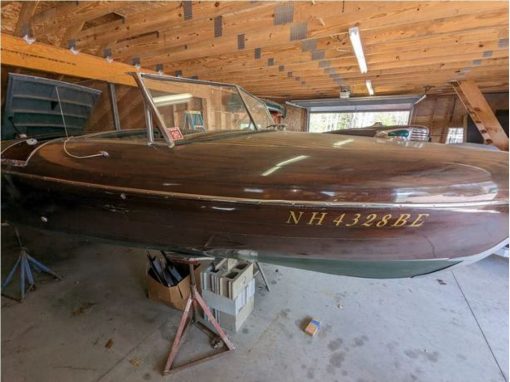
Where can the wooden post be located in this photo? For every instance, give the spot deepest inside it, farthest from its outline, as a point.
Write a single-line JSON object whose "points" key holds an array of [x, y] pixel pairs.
{"points": [[481, 113]]}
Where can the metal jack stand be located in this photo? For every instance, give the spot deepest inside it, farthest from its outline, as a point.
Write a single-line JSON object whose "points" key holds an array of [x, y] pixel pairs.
{"points": [[262, 275], [189, 316], [25, 261]]}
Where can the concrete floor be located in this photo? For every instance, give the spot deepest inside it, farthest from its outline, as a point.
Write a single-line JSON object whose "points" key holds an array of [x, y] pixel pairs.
{"points": [[451, 326]]}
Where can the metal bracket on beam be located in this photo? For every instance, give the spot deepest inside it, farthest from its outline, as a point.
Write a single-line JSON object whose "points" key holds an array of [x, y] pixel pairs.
{"points": [[188, 9], [283, 14], [107, 54], [240, 41], [298, 31], [218, 26], [71, 45], [136, 62]]}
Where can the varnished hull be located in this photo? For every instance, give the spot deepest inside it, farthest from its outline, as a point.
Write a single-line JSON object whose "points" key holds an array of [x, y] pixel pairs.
{"points": [[245, 197]]}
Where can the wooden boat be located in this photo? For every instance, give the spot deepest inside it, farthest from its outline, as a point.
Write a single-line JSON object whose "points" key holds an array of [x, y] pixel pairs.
{"points": [[343, 205]]}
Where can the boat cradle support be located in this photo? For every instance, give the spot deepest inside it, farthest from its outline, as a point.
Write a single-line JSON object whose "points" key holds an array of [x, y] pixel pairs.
{"points": [[191, 316], [26, 263]]}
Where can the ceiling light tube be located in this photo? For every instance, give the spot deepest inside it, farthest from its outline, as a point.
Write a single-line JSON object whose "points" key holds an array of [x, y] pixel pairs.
{"points": [[370, 89], [358, 48], [172, 99]]}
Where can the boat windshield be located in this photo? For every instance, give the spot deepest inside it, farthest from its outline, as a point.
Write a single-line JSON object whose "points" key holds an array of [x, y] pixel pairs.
{"points": [[184, 106]]}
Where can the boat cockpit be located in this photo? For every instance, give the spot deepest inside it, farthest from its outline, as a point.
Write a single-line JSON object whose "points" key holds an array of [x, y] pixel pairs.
{"points": [[177, 111]]}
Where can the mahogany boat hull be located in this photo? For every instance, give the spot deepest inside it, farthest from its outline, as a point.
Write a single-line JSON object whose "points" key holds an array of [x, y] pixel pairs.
{"points": [[357, 232]]}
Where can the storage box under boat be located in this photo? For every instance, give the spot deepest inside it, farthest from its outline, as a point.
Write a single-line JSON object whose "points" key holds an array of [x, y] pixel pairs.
{"points": [[175, 295]]}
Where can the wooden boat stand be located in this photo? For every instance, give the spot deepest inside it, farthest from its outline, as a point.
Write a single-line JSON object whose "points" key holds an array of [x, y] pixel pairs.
{"points": [[25, 262], [190, 316]]}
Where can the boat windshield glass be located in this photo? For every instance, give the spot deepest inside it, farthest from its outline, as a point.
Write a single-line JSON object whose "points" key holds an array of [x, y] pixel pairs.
{"points": [[195, 106]]}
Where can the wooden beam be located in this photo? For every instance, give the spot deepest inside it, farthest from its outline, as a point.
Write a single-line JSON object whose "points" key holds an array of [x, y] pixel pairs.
{"points": [[51, 24], [167, 19], [310, 72], [407, 44], [38, 56], [27, 12], [334, 47], [389, 14], [294, 59], [70, 32], [481, 113]]}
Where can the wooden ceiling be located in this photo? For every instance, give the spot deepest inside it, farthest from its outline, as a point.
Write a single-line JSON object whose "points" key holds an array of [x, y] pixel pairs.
{"points": [[287, 49]]}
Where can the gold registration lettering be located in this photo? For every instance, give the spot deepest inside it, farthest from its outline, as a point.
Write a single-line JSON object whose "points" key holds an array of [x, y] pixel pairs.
{"points": [[418, 222], [402, 220], [294, 218], [319, 219], [339, 220], [370, 220], [355, 219], [384, 220]]}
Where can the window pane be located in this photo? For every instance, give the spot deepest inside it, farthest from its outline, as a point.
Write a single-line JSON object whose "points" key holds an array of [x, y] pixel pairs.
{"points": [[258, 110], [195, 107], [455, 135], [321, 122]]}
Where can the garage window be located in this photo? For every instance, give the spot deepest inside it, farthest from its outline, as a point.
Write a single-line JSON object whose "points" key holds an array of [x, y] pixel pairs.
{"points": [[321, 122], [455, 135]]}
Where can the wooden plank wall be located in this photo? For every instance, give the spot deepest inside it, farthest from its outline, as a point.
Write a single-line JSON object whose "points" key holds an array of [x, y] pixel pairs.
{"points": [[439, 112]]}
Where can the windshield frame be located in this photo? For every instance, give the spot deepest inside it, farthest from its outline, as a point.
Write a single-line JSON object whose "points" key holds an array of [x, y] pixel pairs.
{"points": [[151, 106]]}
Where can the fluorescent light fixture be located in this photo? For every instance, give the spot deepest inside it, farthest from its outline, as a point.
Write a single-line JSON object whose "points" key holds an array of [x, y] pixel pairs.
{"points": [[172, 99], [370, 89], [358, 48]]}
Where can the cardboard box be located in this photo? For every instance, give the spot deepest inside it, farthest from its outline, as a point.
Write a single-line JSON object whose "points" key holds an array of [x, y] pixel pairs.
{"points": [[175, 297]]}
